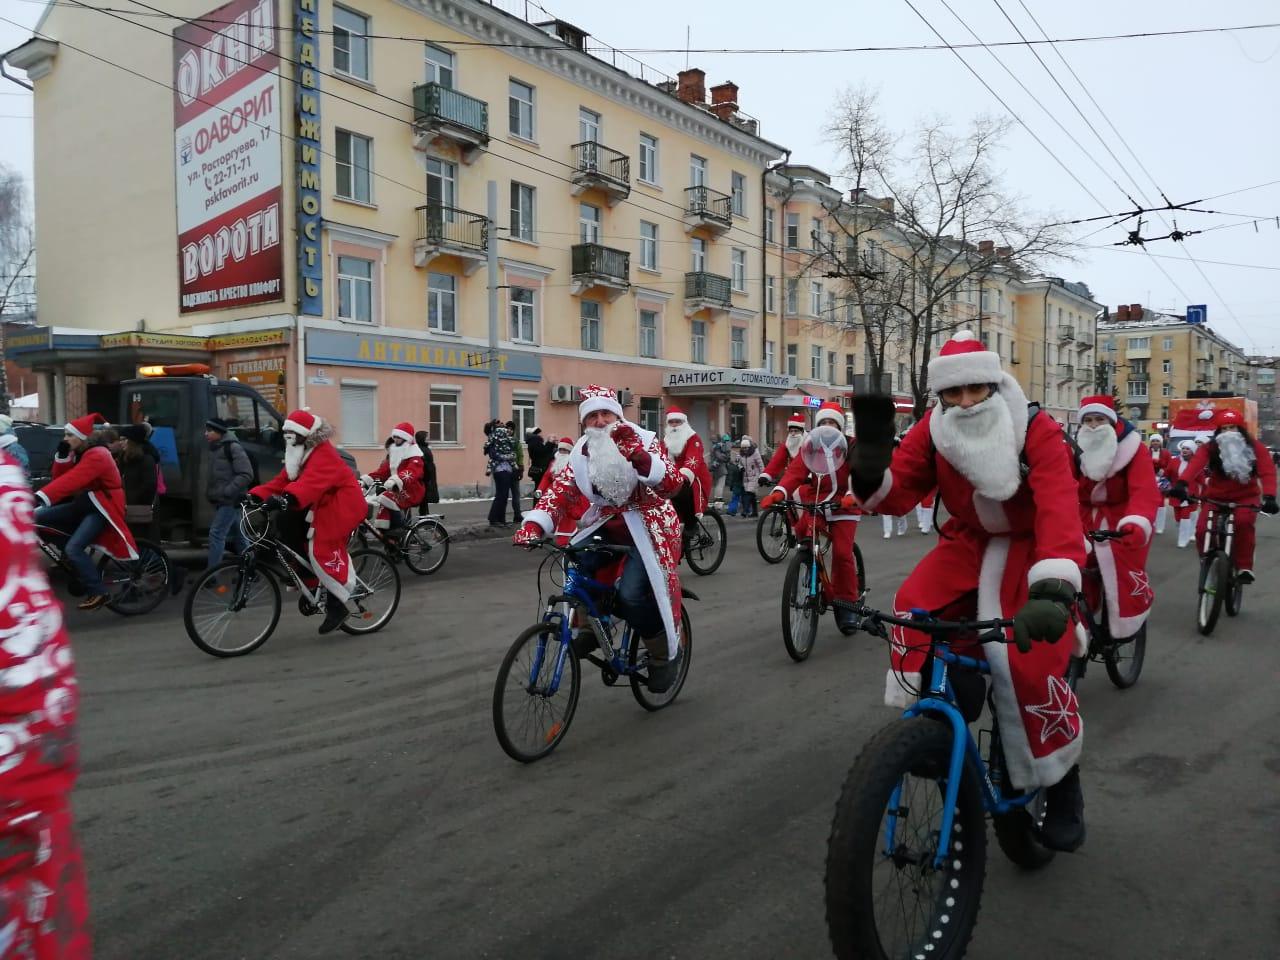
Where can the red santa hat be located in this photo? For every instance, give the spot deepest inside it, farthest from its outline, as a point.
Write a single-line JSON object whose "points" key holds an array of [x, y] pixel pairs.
{"points": [[302, 422], [678, 415], [964, 360], [82, 427], [1156, 438], [1099, 404], [403, 431], [1227, 418], [830, 411], [597, 398], [796, 420], [565, 444]]}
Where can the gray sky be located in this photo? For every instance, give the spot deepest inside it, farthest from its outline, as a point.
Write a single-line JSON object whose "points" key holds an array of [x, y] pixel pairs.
{"points": [[1199, 111]]}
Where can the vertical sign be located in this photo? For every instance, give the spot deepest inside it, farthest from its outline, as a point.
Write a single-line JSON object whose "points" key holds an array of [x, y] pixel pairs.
{"points": [[307, 106], [227, 157]]}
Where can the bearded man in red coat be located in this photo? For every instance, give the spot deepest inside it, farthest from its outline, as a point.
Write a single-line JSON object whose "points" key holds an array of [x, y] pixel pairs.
{"points": [[323, 505], [401, 474], [1162, 461], [1011, 547], [1118, 491], [787, 451], [683, 447]]}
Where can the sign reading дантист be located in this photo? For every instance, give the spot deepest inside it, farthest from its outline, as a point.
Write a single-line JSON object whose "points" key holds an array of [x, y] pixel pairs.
{"points": [[226, 113]]}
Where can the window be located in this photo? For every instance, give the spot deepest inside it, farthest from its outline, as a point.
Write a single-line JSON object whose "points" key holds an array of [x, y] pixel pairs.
{"points": [[648, 158], [1110, 346], [769, 305], [350, 43], [850, 364], [355, 289], [523, 308], [738, 346], [738, 270], [1166, 390], [442, 302], [1138, 368], [770, 355], [359, 415], [590, 315], [588, 125], [815, 363], [354, 156], [815, 233], [815, 297], [1137, 389], [793, 296], [793, 231], [697, 170], [739, 195], [651, 414], [521, 212], [442, 179], [768, 224], [648, 245], [442, 418], [793, 363], [588, 223], [439, 65], [699, 258], [1168, 343], [1166, 366], [1000, 345], [523, 413], [737, 419], [698, 341], [1139, 343], [648, 333], [831, 366], [984, 300], [520, 109], [902, 376]]}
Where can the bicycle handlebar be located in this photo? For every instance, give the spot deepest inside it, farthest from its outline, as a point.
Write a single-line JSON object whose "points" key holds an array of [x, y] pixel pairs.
{"points": [[925, 622], [1225, 504], [591, 546], [1098, 536], [819, 506]]}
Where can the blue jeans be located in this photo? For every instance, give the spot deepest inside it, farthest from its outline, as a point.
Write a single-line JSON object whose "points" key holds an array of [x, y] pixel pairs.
{"points": [[634, 601], [81, 524], [225, 524]]}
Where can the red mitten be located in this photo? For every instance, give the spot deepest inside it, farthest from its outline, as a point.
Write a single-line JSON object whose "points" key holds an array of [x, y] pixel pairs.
{"points": [[1132, 536], [776, 497], [529, 535], [848, 503], [624, 435]]}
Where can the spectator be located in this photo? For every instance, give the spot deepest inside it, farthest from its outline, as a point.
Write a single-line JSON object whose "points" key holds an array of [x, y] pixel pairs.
{"points": [[230, 476], [735, 481], [500, 448], [137, 472], [428, 473], [541, 453], [719, 466], [10, 445], [752, 467], [518, 475]]}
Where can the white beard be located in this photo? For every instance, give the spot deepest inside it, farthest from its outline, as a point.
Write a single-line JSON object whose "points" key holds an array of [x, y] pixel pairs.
{"points": [[398, 455], [559, 462], [793, 443], [293, 457], [1097, 450], [1237, 456], [676, 438], [610, 473], [979, 442]]}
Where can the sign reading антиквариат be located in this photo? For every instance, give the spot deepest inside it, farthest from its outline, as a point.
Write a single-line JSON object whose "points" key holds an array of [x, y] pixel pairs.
{"points": [[226, 113]]}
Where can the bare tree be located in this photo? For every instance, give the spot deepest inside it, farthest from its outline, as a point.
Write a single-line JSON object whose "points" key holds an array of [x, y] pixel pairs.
{"points": [[17, 261]]}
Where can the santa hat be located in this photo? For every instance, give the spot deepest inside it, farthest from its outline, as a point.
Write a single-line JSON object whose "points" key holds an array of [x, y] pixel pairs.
{"points": [[678, 415], [964, 360], [1187, 445], [1156, 438], [82, 427], [565, 444], [403, 431], [1227, 418], [302, 421], [1099, 404], [598, 398], [830, 411], [796, 420]]}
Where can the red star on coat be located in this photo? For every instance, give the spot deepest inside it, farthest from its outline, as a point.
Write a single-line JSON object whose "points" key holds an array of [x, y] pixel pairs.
{"points": [[1058, 712], [1141, 585]]}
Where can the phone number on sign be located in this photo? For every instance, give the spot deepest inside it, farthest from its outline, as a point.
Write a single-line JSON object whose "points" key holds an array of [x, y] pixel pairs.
{"points": [[230, 170]]}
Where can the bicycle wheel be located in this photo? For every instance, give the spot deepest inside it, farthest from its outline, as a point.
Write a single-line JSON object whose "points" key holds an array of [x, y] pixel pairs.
{"points": [[229, 613], [531, 707], [377, 592], [1124, 660], [862, 572], [1235, 597], [136, 586], [706, 544], [799, 608], [1018, 833], [889, 903], [1214, 571], [425, 547], [636, 660], [773, 536]]}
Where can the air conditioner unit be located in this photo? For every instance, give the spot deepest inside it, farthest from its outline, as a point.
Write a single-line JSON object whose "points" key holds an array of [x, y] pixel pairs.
{"points": [[564, 393], [624, 397]]}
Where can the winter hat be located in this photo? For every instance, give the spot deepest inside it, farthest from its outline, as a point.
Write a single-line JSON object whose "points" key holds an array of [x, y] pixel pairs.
{"points": [[964, 360], [830, 411], [213, 423], [1099, 404], [135, 432], [565, 444], [1187, 445], [746, 443], [1156, 438], [678, 415], [796, 420], [302, 422], [598, 398], [82, 427], [1227, 418], [403, 431]]}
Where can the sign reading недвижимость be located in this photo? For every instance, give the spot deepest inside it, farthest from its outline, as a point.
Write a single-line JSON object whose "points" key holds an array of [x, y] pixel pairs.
{"points": [[226, 112], [306, 22]]}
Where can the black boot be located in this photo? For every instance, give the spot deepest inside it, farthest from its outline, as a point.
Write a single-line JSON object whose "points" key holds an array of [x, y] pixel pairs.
{"points": [[663, 673], [335, 612], [1063, 827], [846, 621]]}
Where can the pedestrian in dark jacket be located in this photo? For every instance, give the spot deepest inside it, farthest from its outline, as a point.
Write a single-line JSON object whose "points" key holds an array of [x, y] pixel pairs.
{"points": [[501, 451], [541, 454], [137, 469], [428, 473], [230, 476]]}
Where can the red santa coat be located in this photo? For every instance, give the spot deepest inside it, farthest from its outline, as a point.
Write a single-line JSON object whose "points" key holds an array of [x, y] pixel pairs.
{"points": [[1210, 481], [1180, 469], [330, 494], [1127, 496], [692, 464], [410, 475], [568, 525], [650, 519], [799, 483], [95, 473], [778, 463], [43, 910], [998, 548]]}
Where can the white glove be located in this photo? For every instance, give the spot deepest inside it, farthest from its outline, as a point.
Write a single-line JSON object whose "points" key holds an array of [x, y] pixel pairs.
{"points": [[372, 500], [393, 482]]}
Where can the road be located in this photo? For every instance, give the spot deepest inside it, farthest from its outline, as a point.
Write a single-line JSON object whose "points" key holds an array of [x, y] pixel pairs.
{"points": [[345, 798]]}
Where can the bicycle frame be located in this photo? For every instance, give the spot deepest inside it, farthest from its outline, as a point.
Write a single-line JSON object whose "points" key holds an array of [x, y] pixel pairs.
{"points": [[1219, 530], [284, 554]]}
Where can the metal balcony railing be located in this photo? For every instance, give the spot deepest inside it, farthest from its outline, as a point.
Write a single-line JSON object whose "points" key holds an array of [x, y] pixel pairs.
{"points": [[443, 226], [707, 286], [739, 364], [593, 260], [434, 104], [1066, 333], [704, 203], [593, 159], [1068, 371]]}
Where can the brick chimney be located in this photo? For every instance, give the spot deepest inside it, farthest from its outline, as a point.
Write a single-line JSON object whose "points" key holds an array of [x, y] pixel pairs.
{"points": [[986, 248], [885, 204], [1004, 252], [857, 194], [1135, 311], [724, 100], [692, 87], [1122, 313]]}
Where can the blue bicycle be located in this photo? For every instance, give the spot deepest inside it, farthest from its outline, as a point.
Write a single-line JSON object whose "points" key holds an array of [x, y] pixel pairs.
{"points": [[907, 853], [536, 693]]}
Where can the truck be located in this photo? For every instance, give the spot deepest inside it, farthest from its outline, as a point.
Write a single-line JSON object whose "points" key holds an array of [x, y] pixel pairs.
{"points": [[1188, 420]]}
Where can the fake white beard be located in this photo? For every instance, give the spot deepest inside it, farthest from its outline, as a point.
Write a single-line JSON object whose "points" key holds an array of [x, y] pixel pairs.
{"points": [[979, 442], [1237, 456], [559, 462], [293, 455], [793, 443], [397, 455], [677, 437], [611, 474], [1097, 450]]}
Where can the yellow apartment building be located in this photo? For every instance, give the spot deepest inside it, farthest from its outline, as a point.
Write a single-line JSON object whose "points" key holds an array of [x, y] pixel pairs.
{"points": [[1053, 353]]}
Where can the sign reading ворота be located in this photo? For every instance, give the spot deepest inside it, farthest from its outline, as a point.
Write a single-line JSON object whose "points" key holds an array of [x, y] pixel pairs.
{"points": [[226, 112]]}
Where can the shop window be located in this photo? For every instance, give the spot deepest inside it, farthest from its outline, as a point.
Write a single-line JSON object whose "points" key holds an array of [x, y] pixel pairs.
{"points": [[442, 418], [524, 415], [359, 423]]}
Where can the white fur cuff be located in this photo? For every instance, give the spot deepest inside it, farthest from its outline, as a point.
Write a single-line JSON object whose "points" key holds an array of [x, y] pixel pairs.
{"points": [[687, 474], [388, 502], [657, 470], [40, 494], [894, 694], [885, 486], [1142, 523], [541, 518], [1055, 569]]}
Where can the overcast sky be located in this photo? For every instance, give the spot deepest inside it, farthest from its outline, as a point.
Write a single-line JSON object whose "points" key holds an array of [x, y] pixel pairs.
{"points": [[1199, 111]]}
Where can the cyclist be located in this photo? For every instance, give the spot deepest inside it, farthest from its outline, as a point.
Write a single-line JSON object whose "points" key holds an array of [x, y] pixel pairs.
{"points": [[1117, 489], [1182, 509], [620, 478], [401, 475], [1232, 466], [1012, 547], [1162, 462], [683, 448], [820, 473], [569, 525], [85, 475], [786, 452], [323, 506]]}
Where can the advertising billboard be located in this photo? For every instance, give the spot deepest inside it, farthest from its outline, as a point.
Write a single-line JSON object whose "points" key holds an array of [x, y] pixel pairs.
{"points": [[227, 156]]}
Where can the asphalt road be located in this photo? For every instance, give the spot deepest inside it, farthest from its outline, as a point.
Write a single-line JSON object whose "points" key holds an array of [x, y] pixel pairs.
{"points": [[345, 798]]}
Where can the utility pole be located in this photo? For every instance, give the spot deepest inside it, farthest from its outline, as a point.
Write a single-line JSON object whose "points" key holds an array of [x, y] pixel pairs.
{"points": [[492, 249]]}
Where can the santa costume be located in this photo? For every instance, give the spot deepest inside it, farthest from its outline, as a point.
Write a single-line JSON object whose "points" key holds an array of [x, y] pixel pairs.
{"points": [[1161, 462], [402, 475], [787, 451], [924, 512], [1183, 510], [1117, 491], [683, 447], [569, 524], [1006, 481]]}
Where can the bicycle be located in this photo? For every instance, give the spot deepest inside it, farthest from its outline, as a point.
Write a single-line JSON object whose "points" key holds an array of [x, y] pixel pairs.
{"points": [[233, 608], [1219, 582], [775, 533], [528, 718], [134, 587], [894, 886], [704, 542], [1122, 658], [806, 587], [422, 542]]}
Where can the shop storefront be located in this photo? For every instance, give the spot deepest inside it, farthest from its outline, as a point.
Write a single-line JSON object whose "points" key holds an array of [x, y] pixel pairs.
{"points": [[725, 400]]}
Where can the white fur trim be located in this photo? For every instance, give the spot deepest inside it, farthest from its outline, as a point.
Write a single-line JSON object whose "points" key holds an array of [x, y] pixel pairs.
{"points": [[1119, 626], [894, 695], [542, 518], [990, 514], [592, 404], [406, 437], [66, 459], [122, 534], [766, 478], [658, 470], [1101, 408], [961, 369], [1055, 568], [1082, 641], [883, 491], [1126, 450], [388, 502], [678, 417], [829, 415], [293, 426], [40, 494], [687, 474], [68, 428], [1142, 523], [340, 590]]}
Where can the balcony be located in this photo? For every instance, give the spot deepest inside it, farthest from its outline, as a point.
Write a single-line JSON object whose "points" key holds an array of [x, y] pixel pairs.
{"points": [[442, 114], [1066, 333], [1084, 341], [446, 231], [709, 209], [1066, 372], [597, 167], [739, 364], [1139, 391], [600, 269], [706, 291]]}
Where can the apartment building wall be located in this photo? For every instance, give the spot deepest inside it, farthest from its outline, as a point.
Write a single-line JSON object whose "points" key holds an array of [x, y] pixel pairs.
{"points": [[1056, 344]]}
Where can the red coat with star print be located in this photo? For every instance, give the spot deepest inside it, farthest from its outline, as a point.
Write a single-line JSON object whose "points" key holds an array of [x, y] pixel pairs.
{"points": [[692, 465]]}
